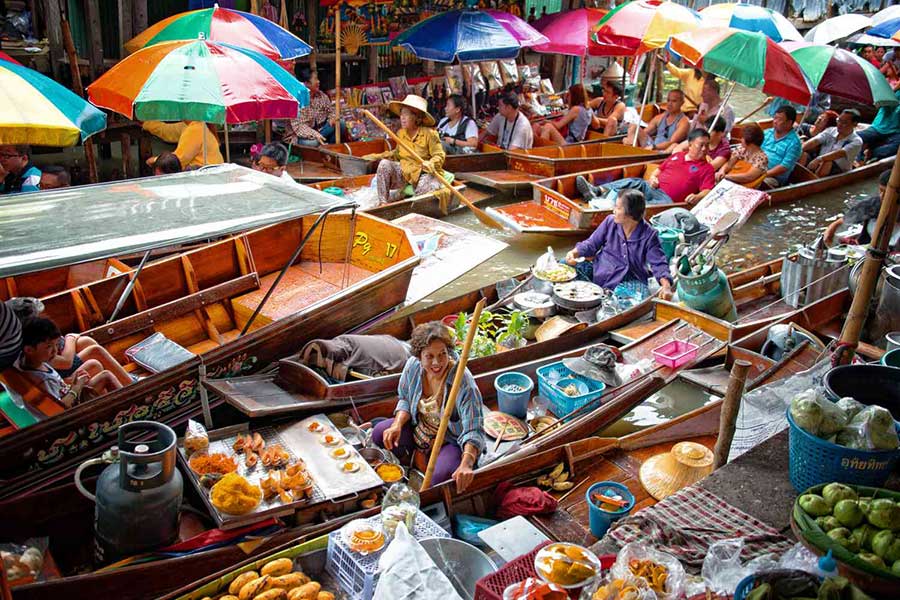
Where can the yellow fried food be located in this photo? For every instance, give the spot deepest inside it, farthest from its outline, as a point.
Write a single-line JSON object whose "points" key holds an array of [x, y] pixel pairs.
{"points": [[281, 566], [655, 574], [288, 581], [308, 591], [241, 580], [235, 495], [253, 588], [273, 594], [325, 596], [229, 597]]}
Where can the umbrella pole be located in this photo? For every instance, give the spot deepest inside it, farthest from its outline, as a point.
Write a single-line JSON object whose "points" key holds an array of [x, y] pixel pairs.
{"points": [[472, 88], [204, 144], [650, 70], [227, 145], [337, 75], [724, 101], [72, 56]]}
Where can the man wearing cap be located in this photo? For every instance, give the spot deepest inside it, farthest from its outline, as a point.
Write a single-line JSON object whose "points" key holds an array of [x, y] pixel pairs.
{"points": [[397, 167]]}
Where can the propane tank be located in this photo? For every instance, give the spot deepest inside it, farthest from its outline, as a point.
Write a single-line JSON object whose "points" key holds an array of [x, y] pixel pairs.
{"points": [[708, 292], [138, 496]]}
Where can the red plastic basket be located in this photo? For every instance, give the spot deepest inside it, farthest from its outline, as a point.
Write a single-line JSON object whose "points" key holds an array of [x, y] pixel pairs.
{"points": [[490, 587]]}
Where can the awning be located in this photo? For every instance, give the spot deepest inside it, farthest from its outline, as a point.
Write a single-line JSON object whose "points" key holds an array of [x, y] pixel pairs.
{"points": [[41, 230]]}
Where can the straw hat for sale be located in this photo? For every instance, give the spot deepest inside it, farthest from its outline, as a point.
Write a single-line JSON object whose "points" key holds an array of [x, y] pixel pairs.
{"points": [[556, 326], [686, 464], [417, 104]]}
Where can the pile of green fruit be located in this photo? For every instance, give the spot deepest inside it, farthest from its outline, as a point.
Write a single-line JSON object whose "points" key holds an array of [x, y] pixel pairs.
{"points": [[868, 527]]}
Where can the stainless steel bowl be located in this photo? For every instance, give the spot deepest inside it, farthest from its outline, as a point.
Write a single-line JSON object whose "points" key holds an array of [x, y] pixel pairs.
{"points": [[462, 563], [373, 455]]}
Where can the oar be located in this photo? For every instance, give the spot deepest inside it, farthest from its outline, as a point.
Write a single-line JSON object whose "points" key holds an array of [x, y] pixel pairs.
{"points": [[755, 110], [451, 397], [482, 216]]}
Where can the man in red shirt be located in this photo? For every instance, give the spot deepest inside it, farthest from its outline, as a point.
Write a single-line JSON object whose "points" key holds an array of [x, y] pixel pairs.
{"points": [[683, 177]]}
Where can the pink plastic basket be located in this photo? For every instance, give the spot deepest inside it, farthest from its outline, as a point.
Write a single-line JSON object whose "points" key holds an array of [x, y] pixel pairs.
{"points": [[675, 353]]}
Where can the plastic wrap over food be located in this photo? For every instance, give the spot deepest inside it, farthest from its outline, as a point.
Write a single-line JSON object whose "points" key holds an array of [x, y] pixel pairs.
{"points": [[662, 571]]}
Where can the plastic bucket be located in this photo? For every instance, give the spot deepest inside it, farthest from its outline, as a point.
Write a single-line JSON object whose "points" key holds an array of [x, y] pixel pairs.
{"points": [[600, 519], [891, 359], [513, 403]]}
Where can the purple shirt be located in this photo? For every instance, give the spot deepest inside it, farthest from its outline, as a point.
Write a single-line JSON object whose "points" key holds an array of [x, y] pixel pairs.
{"points": [[617, 259]]}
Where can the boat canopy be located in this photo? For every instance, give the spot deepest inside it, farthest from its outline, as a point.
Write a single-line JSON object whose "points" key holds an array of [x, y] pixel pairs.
{"points": [[42, 230]]}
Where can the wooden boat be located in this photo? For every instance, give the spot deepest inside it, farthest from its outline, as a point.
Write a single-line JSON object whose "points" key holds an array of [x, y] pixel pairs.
{"points": [[60, 279], [557, 208], [201, 300], [348, 158], [804, 182]]}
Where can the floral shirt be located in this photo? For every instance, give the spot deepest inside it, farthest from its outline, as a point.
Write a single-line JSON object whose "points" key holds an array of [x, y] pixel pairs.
{"points": [[758, 159], [311, 118]]}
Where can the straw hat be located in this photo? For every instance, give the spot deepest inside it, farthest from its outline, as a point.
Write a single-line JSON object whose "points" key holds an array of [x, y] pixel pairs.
{"points": [[417, 104], [686, 464], [557, 326]]}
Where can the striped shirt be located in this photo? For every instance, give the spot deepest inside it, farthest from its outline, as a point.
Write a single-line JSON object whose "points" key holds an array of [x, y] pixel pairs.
{"points": [[10, 336], [466, 421]]}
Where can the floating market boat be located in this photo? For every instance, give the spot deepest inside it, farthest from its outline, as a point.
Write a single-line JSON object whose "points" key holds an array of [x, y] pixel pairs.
{"points": [[206, 306]]}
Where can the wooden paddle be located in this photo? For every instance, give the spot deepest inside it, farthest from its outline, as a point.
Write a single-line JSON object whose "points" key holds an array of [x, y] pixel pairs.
{"points": [[755, 110], [451, 398], [482, 216]]}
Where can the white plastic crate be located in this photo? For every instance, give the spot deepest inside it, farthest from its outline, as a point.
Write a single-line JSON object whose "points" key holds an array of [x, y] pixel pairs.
{"points": [[358, 574]]}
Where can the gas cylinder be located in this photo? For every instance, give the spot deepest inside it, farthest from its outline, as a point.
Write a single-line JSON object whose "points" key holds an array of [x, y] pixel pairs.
{"points": [[708, 292], [138, 496]]}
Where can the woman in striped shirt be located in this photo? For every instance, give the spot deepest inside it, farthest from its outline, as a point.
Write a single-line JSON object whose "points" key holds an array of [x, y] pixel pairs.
{"points": [[422, 391]]}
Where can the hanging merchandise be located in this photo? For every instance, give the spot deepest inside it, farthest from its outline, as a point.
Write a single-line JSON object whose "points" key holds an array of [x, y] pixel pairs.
{"points": [[490, 71], [454, 79]]}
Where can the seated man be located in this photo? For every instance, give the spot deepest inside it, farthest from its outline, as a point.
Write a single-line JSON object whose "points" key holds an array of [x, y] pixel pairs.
{"points": [[272, 159], [683, 177], [21, 174], [864, 213], [54, 177], [783, 147], [837, 146], [882, 138], [719, 144], [665, 130], [609, 110], [710, 105], [510, 129]]}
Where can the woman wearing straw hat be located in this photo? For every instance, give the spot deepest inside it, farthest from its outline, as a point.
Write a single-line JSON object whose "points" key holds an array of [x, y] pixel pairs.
{"points": [[397, 168]]}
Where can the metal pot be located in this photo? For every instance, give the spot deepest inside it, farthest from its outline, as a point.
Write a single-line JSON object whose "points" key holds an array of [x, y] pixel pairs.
{"points": [[578, 295], [538, 305], [462, 563]]}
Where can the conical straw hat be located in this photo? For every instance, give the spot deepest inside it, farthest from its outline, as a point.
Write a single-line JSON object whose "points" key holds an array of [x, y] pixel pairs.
{"points": [[417, 104], [686, 464]]}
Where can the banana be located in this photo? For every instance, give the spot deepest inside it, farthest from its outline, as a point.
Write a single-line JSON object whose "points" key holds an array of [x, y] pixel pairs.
{"points": [[544, 481], [561, 486], [564, 476], [557, 470]]}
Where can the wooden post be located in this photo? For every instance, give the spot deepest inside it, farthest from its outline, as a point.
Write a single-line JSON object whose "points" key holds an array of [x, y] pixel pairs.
{"points": [[871, 268], [730, 406], [126, 25], [125, 139], [337, 73], [145, 151], [373, 64], [54, 36], [139, 18], [89, 156], [312, 17], [94, 36], [451, 397]]}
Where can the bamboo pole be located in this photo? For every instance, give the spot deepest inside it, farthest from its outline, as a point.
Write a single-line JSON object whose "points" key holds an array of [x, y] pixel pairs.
{"points": [[756, 110], [451, 398], [72, 56], [650, 70], [482, 216], [871, 268], [729, 413], [337, 74]]}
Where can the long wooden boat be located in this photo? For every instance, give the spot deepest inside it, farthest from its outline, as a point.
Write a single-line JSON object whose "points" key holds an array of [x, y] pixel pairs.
{"points": [[348, 158], [201, 300]]}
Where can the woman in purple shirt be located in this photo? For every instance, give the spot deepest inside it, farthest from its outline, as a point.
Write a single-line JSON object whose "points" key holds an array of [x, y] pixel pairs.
{"points": [[625, 247]]}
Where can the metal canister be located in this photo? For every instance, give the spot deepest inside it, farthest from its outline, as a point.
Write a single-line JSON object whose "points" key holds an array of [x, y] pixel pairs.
{"points": [[708, 292], [813, 275]]}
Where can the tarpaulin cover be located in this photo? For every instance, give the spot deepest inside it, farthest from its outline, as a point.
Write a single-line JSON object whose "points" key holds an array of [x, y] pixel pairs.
{"points": [[41, 230]]}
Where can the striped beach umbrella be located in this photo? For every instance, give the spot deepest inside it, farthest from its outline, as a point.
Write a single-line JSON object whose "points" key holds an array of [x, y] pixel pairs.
{"points": [[749, 17], [36, 110], [224, 25], [641, 26], [199, 80]]}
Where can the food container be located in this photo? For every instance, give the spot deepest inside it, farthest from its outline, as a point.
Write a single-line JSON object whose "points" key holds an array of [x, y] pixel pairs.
{"points": [[675, 353], [578, 295], [363, 536], [599, 518], [569, 566], [400, 505], [538, 305], [390, 472], [513, 400]]}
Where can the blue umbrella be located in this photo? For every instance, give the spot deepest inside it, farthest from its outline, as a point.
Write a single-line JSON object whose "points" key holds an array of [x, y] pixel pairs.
{"points": [[469, 35], [888, 29]]}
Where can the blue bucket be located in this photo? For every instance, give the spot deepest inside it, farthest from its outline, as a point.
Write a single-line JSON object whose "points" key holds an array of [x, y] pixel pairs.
{"points": [[599, 519], [513, 403], [892, 358]]}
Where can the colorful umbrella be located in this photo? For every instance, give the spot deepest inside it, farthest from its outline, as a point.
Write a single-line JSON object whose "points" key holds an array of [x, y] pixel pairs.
{"points": [[837, 28], [36, 110], [199, 80], [749, 17], [469, 35], [891, 12], [224, 25], [746, 57], [864, 39], [643, 25], [8, 58], [887, 29], [570, 32], [841, 73]]}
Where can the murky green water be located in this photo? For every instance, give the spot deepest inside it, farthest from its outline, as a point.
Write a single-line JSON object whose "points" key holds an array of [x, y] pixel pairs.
{"points": [[676, 399]]}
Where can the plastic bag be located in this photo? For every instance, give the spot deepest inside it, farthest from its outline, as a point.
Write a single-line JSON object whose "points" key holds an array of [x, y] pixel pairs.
{"points": [[722, 568], [509, 71], [816, 414], [196, 438], [473, 76], [624, 588], [873, 428], [547, 261], [24, 563], [850, 406], [534, 589], [638, 551], [467, 528], [454, 79], [491, 73], [407, 572]]}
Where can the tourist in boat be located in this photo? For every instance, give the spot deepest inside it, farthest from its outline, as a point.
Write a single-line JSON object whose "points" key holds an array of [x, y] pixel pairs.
{"points": [[422, 391], [197, 143], [748, 162], [683, 177], [666, 129], [397, 168], [315, 124], [864, 213], [710, 105], [868, 53], [624, 249], [21, 174], [510, 129], [783, 147], [459, 133], [272, 159], [54, 177], [609, 110], [824, 121], [719, 144], [891, 72], [691, 83], [40, 344], [835, 148], [166, 164], [573, 126], [882, 138]]}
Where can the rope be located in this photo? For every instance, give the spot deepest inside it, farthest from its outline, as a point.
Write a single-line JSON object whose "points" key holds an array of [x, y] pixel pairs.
{"points": [[839, 351], [808, 285]]}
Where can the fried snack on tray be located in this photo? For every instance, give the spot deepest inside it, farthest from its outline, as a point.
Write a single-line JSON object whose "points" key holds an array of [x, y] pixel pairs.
{"points": [[274, 456], [203, 464], [235, 495]]}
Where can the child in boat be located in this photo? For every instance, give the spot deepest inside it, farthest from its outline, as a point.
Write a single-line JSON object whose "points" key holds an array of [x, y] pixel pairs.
{"points": [[272, 159], [40, 345]]}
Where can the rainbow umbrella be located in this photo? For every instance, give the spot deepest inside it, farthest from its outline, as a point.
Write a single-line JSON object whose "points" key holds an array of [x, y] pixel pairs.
{"points": [[889, 29], [199, 80], [570, 32], [469, 35], [841, 73], [641, 26], [8, 58], [746, 57], [224, 25], [36, 110], [749, 17]]}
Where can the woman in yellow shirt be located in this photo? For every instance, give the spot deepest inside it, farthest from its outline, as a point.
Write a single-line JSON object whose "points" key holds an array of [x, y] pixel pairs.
{"points": [[397, 168], [691, 84], [189, 137]]}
